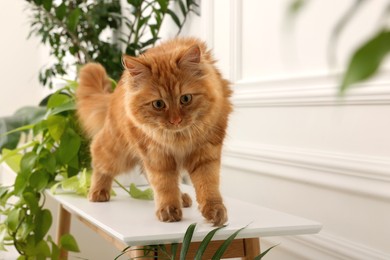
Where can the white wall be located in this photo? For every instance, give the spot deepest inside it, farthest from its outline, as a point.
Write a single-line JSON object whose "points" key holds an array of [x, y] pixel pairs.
{"points": [[293, 145], [20, 61]]}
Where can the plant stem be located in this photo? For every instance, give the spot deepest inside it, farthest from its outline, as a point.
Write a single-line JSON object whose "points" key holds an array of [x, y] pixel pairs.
{"points": [[74, 38], [123, 187]]}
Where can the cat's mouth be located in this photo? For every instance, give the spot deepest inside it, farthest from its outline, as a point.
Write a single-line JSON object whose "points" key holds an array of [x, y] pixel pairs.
{"points": [[177, 128]]}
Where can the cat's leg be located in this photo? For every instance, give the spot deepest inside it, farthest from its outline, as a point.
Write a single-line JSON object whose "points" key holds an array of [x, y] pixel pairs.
{"points": [[108, 160], [186, 200], [100, 186], [204, 167], [164, 177]]}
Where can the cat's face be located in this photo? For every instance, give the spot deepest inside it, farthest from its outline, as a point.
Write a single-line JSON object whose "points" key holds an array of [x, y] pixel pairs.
{"points": [[176, 108], [170, 93]]}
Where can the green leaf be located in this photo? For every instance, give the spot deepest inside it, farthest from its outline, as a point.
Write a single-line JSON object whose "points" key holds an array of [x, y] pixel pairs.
{"points": [[19, 129], [85, 181], [74, 164], [55, 250], [12, 220], [43, 249], [182, 7], [21, 182], [12, 159], [61, 11], [27, 162], [26, 228], [174, 247], [57, 99], [39, 127], [73, 84], [187, 240], [39, 180], [69, 146], [163, 5], [3, 233], [22, 120], [32, 201], [293, 9], [54, 188], [69, 106], [47, 4], [4, 195], [68, 243], [135, 3], [141, 22], [9, 141], [70, 184], [366, 60], [73, 19], [48, 161], [264, 253], [56, 126], [205, 242], [43, 222], [137, 193], [174, 17], [221, 250]]}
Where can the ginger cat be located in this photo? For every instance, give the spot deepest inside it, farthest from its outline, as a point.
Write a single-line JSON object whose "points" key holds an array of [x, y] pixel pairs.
{"points": [[168, 113]]}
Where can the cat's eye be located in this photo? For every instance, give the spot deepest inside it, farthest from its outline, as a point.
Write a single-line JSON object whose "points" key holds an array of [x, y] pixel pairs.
{"points": [[158, 104], [186, 99]]}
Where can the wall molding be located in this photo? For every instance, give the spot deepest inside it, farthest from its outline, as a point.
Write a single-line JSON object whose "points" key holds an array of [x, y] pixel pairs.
{"points": [[326, 246], [346, 172], [310, 89]]}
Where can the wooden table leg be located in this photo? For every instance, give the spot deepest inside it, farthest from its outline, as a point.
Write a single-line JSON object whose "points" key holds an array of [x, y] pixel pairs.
{"points": [[64, 219], [252, 248]]}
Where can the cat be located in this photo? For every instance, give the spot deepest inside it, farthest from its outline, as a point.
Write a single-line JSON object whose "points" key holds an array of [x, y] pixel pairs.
{"points": [[168, 113]]}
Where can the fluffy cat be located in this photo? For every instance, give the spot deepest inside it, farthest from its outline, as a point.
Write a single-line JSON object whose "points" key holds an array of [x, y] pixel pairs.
{"points": [[168, 113]]}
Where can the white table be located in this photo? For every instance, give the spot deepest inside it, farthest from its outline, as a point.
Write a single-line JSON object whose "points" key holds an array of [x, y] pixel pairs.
{"points": [[125, 221]]}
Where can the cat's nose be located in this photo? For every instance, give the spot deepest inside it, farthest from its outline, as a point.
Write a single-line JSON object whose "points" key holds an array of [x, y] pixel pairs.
{"points": [[175, 120]]}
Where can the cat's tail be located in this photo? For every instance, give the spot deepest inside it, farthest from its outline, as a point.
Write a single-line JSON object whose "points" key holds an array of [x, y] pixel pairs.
{"points": [[93, 97]]}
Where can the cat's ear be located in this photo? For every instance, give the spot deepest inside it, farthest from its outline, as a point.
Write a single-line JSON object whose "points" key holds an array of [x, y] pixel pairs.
{"points": [[136, 68], [190, 57]]}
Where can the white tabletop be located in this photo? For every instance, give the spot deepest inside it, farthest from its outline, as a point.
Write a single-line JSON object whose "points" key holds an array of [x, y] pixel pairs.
{"points": [[134, 222]]}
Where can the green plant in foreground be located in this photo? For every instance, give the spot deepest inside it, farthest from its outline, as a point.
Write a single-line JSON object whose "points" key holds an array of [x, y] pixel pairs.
{"points": [[162, 251], [57, 150], [57, 155]]}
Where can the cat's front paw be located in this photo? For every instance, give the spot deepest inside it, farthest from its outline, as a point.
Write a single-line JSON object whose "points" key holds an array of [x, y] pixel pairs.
{"points": [[169, 214], [99, 195], [215, 213]]}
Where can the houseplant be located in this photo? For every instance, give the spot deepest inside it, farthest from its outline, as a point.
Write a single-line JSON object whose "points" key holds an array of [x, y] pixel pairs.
{"points": [[56, 148]]}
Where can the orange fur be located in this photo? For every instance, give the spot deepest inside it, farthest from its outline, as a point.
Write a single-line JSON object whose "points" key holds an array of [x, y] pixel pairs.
{"points": [[168, 113]]}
